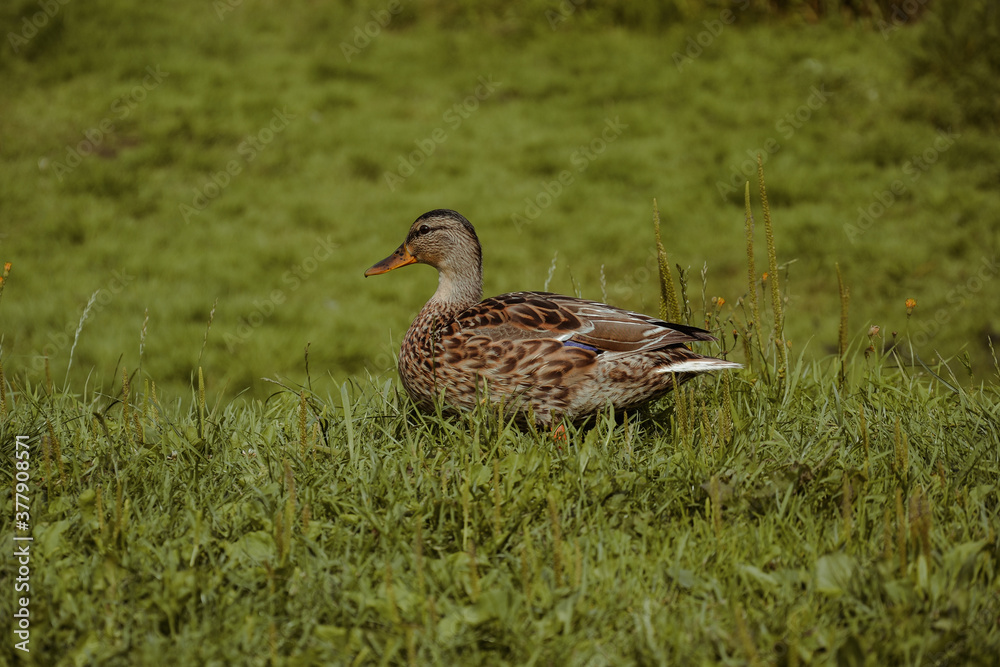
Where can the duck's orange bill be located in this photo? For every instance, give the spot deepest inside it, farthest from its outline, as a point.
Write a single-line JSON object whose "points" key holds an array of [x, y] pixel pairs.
{"points": [[401, 257]]}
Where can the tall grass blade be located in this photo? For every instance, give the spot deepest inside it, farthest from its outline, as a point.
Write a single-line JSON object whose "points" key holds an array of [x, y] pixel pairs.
{"points": [[76, 336]]}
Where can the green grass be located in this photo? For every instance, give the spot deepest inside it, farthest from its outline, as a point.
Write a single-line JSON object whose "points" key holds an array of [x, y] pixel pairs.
{"points": [[115, 223], [835, 502], [832, 526], [838, 511]]}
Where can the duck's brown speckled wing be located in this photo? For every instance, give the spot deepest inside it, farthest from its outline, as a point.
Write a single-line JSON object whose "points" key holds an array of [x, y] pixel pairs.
{"points": [[574, 322], [518, 339]]}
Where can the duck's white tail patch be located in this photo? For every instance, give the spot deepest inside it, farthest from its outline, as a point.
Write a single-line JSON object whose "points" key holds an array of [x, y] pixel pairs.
{"points": [[699, 366]]}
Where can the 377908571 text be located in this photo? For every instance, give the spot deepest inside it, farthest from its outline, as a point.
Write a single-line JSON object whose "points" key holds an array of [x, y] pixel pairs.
{"points": [[22, 540]]}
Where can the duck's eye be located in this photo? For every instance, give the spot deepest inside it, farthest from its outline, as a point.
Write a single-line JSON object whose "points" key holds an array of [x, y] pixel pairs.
{"points": [[423, 230]]}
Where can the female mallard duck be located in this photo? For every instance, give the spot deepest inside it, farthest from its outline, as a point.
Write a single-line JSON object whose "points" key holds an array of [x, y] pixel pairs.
{"points": [[540, 354]]}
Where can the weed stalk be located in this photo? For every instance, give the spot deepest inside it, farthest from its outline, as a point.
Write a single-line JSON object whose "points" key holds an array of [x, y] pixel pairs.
{"points": [[3, 276], [900, 532], [3, 394], [921, 521], [303, 431], [864, 441], [126, 407], [755, 324], [845, 299], [772, 267], [142, 338], [669, 307], [201, 404], [715, 496], [726, 422]]}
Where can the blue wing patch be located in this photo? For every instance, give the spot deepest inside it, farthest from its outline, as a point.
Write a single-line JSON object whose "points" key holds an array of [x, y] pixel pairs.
{"points": [[571, 343]]}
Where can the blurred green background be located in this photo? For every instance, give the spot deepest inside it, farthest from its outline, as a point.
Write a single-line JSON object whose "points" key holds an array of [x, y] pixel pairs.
{"points": [[261, 155]]}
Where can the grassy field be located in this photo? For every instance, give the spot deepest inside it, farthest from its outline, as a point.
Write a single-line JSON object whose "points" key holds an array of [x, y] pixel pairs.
{"points": [[783, 515], [189, 195]]}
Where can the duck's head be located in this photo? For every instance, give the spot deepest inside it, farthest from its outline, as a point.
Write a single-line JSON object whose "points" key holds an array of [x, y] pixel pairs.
{"points": [[447, 241], [442, 238]]}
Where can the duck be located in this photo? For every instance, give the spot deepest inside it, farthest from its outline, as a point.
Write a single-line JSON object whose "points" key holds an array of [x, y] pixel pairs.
{"points": [[545, 357]]}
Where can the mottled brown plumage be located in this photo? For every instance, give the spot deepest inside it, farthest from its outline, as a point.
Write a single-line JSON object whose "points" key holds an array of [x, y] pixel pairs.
{"points": [[543, 355]]}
